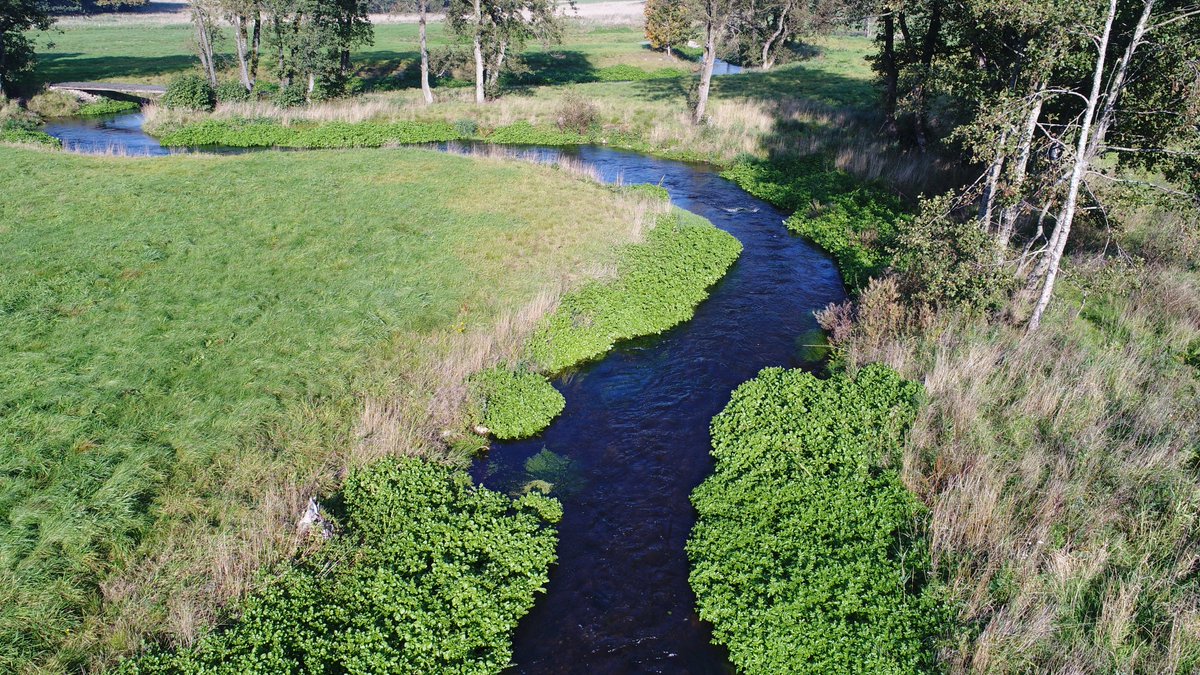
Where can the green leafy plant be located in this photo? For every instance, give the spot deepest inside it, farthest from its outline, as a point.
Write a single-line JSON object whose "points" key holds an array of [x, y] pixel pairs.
{"points": [[524, 133], [232, 91], [516, 404], [856, 223], [23, 137], [649, 190], [259, 133], [659, 283], [291, 96], [428, 575], [189, 92], [808, 555], [105, 106]]}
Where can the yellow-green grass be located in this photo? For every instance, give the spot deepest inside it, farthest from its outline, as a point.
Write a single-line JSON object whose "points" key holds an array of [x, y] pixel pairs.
{"points": [[193, 345]]}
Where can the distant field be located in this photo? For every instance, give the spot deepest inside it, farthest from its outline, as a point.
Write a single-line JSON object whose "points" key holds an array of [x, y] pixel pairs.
{"points": [[188, 342], [153, 54]]}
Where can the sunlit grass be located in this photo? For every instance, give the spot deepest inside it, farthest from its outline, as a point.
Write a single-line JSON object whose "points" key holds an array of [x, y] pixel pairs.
{"points": [[191, 346]]}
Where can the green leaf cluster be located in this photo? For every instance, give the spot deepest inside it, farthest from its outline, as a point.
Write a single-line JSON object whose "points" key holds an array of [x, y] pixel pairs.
{"points": [[659, 282], [429, 575], [26, 137], [524, 133], [516, 404], [808, 556], [189, 92], [856, 223], [260, 133], [106, 106], [623, 72]]}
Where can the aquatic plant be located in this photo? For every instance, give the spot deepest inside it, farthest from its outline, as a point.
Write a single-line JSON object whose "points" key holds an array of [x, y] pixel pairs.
{"points": [[263, 133], [429, 574], [26, 137], [808, 554], [659, 283], [105, 106], [516, 404]]}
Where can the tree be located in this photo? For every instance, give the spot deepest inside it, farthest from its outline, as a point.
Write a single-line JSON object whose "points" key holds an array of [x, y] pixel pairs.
{"points": [[312, 39], [668, 23], [715, 15], [765, 27], [245, 16], [16, 49], [498, 29], [204, 20]]}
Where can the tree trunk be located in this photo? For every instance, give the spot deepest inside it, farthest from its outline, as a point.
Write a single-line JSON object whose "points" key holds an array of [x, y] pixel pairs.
{"points": [[241, 40], [706, 70], [891, 72], [988, 199], [1008, 217], [493, 73], [204, 44], [921, 105], [426, 91], [768, 58], [478, 45], [255, 48], [1082, 152]]}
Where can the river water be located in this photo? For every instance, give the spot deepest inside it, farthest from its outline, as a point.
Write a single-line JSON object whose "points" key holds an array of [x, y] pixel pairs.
{"points": [[633, 441]]}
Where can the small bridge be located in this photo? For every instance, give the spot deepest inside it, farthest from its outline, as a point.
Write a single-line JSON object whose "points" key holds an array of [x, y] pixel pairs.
{"points": [[89, 91]]}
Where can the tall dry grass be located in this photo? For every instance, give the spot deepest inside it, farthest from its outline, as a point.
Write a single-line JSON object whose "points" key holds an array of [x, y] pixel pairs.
{"points": [[1060, 470]]}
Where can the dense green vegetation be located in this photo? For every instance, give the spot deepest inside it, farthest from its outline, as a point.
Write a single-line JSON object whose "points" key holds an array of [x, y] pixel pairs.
{"points": [[516, 404], [856, 223], [809, 555], [266, 134], [428, 574], [658, 284], [26, 137], [180, 360], [103, 107]]}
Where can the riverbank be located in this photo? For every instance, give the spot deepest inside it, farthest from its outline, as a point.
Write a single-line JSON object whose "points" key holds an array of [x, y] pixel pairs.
{"points": [[194, 367]]}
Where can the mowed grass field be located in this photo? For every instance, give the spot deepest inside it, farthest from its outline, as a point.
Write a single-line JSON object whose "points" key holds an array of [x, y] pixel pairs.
{"points": [[188, 343]]}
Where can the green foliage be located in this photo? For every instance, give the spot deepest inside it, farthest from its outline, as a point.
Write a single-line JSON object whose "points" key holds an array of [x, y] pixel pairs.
{"points": [[429, 575], [947, 263], [106, 106], [466, 128], [659, 282], [232, 91], [23, 137], [189, 92], [524, 133], [669, 23], [262, 133], [808, 556], [648, 189], [578, 114], [516, 404], [623, 72], [291, 96], [856, 223]]}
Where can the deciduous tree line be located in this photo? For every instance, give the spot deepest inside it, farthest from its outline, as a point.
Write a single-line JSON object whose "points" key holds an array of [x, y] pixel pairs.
{"points": [[1061, 103]]}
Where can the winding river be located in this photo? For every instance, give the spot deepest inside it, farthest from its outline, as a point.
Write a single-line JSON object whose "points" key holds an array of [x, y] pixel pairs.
{"points": [[633, 441]]}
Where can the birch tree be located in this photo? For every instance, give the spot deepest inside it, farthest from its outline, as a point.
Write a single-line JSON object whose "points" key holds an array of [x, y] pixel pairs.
{"points": [[498, 30], [715, 16]]}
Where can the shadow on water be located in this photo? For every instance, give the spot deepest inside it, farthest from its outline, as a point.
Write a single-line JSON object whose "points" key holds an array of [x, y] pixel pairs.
{"points": [[633, 441]]}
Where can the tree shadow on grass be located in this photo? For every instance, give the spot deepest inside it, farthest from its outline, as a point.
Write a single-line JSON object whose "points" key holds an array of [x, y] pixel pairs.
{"points": [[69, 67]]}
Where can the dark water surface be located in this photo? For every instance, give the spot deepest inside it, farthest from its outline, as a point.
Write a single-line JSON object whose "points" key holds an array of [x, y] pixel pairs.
{"points": [[633, 441]]}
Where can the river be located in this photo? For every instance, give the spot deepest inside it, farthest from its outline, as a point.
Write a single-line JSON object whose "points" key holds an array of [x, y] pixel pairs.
{"points": [[633, 441]]}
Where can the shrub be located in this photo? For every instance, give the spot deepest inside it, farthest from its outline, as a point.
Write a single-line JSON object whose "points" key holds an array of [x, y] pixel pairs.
{"points": [[291, 96], [659, 283], [626, 73], [54, 104], [466, 128], [946, 263], [232, 91], [516, 404], [429, 575], [807, 556], [578, 114], [189, 92], [106, 106]]}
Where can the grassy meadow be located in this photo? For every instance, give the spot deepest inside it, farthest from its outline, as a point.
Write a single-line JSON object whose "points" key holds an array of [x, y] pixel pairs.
{"points": [[197, 344]]}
